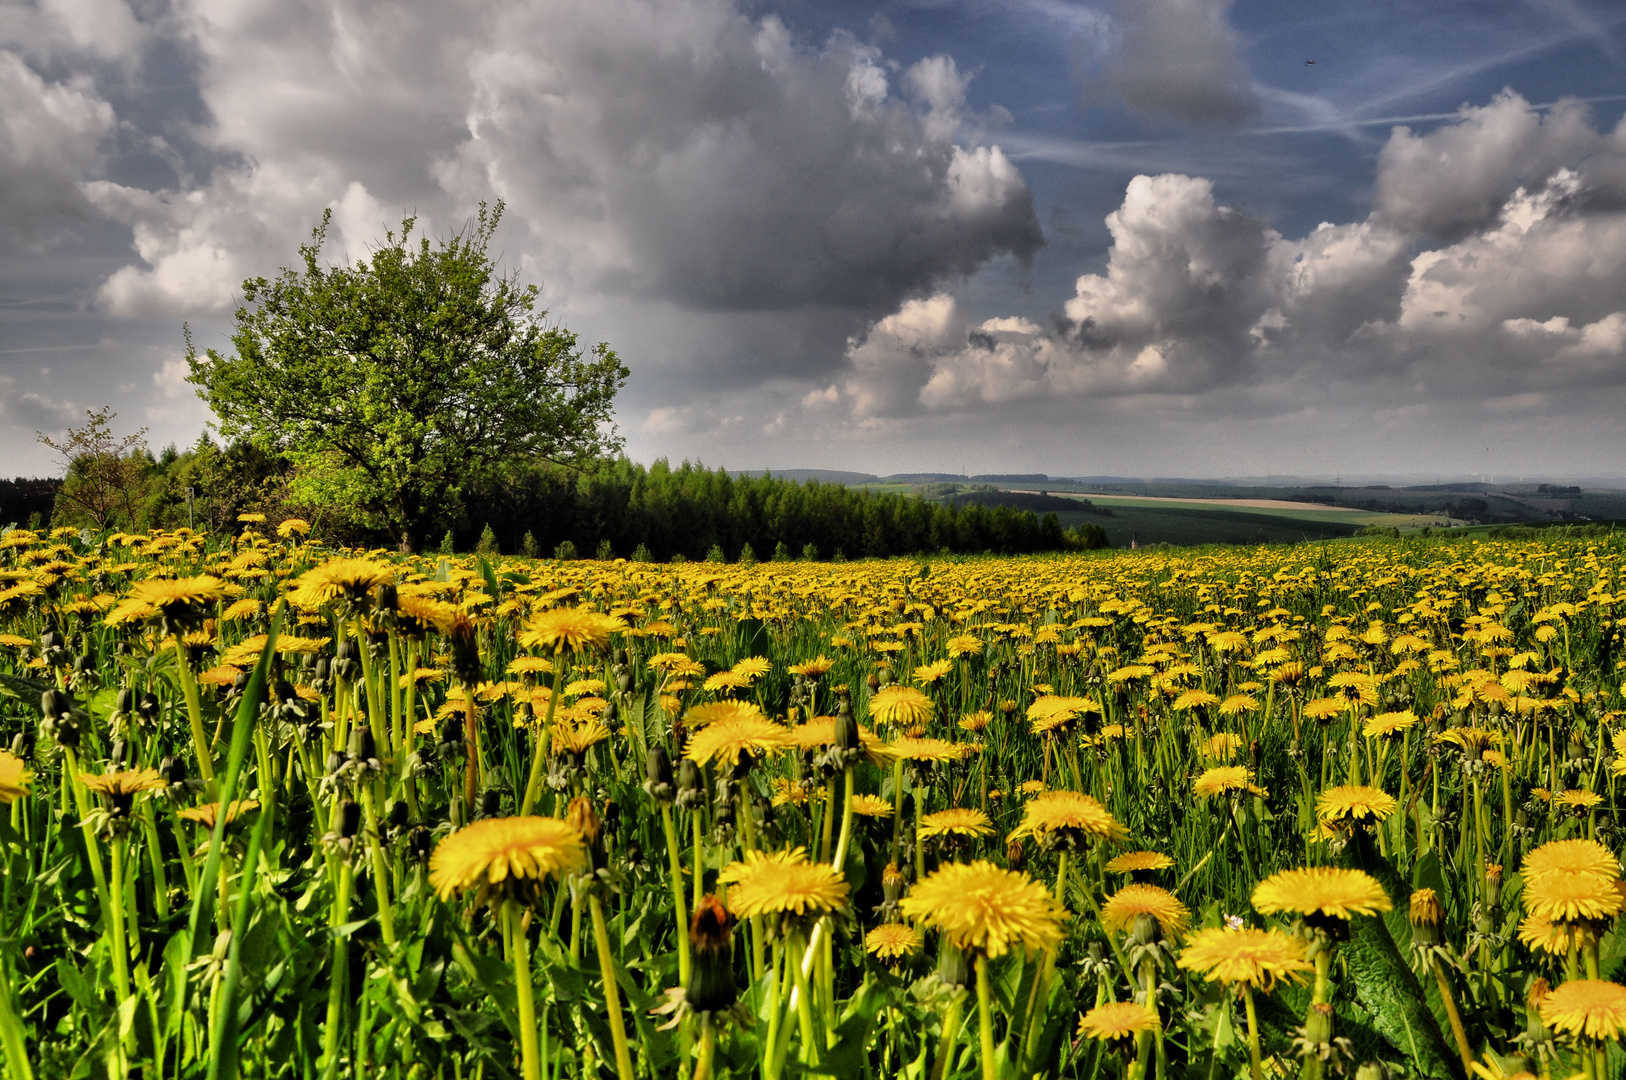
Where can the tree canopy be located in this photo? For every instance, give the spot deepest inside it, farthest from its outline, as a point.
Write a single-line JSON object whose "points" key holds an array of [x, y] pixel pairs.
{"points": [[396, 383]]}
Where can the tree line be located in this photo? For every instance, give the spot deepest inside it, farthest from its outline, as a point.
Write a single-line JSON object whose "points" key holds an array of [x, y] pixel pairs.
{"points": [[609, 508]]}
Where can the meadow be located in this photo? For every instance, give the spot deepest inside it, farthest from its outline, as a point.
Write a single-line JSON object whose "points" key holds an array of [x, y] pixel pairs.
{"points": [[273, 809]]}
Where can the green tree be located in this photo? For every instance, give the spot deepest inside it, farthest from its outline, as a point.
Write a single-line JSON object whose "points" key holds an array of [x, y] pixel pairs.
{"points": [[395, 383], [106, 472]]}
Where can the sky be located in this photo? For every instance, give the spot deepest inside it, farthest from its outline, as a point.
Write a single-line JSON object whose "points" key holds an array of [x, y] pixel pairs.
{"points": [[1134, 237]]}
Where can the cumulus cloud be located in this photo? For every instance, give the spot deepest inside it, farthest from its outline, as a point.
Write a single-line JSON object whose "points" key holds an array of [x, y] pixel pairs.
{"points": [[51, 133], [1200, 299], [1456, 179], [677, 154], [1179, 60]]}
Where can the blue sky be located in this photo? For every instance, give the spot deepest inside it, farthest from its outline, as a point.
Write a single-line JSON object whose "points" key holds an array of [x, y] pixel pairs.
{"points": [[1134, 236]]}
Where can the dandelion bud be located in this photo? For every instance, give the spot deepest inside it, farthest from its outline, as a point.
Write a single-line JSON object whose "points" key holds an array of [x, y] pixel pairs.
{"points": [[1427, 915], [349, 819], [1370, 1071], [385, 597], [711, 945], [691, 788], [362, 746], [873, 682], [421, 843], [490, 804], [581, 817], [658, 775], [400, 814], [953, 965], [1013, 854], [1493, 884], [173, 770]]}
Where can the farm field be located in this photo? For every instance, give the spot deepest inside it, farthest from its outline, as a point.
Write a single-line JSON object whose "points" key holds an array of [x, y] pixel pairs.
{"points": [[280, 810]]}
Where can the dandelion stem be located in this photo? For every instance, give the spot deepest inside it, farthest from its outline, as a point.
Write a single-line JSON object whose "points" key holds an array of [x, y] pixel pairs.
{"points": [[985, 1019], [522, 984], [612, 994]]}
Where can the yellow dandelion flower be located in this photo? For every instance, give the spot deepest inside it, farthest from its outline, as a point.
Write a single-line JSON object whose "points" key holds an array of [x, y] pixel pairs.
{"points": [[207, 814], [576, 630], [14, 777], [723, 741], [783, 882], [1586, 1008], [163, 598], [1223, 779], [871, 806], [1247, 955], [1355, 802], [1124, 907], [1570, 897], [339, 579], [892, 941], [499, 853], [900, 707], [955, 822], [1067, 812], [1117, 1020], [130, 782], [1321, 890], [982, 908], [1570, 857], [1131, 862]]}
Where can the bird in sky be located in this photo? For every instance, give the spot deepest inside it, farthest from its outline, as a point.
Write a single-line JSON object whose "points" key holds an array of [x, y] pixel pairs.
{"points": [[1309, 63]]}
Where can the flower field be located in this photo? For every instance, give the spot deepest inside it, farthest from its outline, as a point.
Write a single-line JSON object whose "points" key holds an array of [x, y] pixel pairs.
{"points": [[275, 810]]}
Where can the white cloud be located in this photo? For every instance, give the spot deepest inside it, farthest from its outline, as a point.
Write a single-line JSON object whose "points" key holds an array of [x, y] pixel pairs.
{"points": [[1457, 178]]}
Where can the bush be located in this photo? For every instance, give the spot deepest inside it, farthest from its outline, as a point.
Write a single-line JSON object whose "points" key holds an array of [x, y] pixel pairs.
{"points": [[566, 550], [641, 554], [488, 542], [606, 551], [715, 554], [446, 544], [748, 556], [810, 552], [528, 546]]}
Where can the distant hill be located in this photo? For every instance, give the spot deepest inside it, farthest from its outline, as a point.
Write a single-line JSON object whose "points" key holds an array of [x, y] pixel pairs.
{"points": [[823, 476]]}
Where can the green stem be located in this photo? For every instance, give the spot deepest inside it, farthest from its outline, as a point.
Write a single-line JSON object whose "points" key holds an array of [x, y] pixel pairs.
{"points": [[539, 751], [985, 1020], [1255, 1064], [194, 714], [341, 961], [612, 994], [522, 984], [679, 910], [708, 1048]]}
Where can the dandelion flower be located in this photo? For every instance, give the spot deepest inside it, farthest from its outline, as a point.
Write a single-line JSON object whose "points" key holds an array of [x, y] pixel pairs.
{"points": [[1389, 724], [117, 785], [926, 674], [1255, 957], [1223, 779], [932, 750], [1566, 897], [1355, 802], [900, 706], [1321, 890], [178, 599], [207, 814], [714, 711], [576, 630], [1067, 812], [1117, 1020], [783, 882], [350, 580], [1131, 862], [982, 908], [1544, 935], [725, 740], [1570, 857], [892, 941], [1586, 1008], [956, 822], [871, 806], [815, 668], [1124, 907], [14, 777], [504, 853]]}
